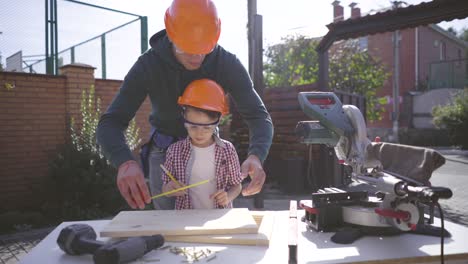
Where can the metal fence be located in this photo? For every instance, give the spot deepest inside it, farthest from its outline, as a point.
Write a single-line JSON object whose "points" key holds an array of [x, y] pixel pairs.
{"points": [[69, 31], [448, 74]]}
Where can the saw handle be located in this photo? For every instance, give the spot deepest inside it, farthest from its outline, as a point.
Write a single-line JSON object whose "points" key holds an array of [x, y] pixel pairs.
{"points": [[430, 194]]}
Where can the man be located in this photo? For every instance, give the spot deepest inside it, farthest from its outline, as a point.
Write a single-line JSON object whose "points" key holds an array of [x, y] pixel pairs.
{"points": [[186, 50]]}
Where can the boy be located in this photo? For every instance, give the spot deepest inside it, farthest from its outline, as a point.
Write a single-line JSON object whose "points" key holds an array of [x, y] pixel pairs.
{"points": [[203, 155]]}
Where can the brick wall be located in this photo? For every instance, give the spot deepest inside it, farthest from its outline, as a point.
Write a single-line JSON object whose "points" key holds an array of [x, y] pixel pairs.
{"points": [[33, 122], [107, 89], [381, 46], [32, 118], [429, 42]]}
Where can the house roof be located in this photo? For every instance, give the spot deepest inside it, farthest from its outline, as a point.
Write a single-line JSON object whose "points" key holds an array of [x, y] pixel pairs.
{"points": [[400, 18], [449, 35]]}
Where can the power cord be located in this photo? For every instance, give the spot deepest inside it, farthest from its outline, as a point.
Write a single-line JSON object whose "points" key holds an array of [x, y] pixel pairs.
{"points": [[442, 233], [309, 165]]}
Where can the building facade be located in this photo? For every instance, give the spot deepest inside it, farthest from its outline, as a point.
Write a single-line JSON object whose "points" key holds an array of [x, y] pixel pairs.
{"points": [[429, 58]]}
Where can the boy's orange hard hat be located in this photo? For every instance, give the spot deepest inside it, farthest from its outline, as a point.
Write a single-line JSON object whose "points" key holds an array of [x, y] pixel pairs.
{"points": [[205, 94], [193, 25]]}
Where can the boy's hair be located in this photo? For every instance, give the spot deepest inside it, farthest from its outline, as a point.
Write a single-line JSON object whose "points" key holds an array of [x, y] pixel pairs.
{"points": [[210, 114]]}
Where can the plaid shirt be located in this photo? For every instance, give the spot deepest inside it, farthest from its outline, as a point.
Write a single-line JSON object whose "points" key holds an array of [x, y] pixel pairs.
{"points": [[179, 161]]}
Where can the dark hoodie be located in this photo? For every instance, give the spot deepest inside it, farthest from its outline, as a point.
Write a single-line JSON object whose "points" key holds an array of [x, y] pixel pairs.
{"points": [[159, 75]]}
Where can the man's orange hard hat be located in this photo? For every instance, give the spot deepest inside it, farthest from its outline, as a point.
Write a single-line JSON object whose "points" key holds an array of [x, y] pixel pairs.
{"points": [[193, 25], [205, 94]]}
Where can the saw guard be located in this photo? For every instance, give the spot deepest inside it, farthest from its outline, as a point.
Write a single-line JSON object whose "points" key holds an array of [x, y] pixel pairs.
{"points": [[356, 152]]}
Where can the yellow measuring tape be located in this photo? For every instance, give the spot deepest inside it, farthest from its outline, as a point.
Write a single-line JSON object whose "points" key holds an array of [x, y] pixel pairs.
{"points": [[180, 189]]}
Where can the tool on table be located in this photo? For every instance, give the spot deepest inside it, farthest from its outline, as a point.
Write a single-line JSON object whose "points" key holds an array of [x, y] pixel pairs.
{"points": [[80, 239], [388, 188], [180, 189]]}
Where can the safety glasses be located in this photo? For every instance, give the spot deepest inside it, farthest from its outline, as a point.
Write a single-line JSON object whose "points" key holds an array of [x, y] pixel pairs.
{"points": [[203, 127], [179, 51]]}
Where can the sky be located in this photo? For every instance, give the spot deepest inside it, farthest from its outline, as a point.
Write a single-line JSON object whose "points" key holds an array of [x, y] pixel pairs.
{"points": [[22, 25]]}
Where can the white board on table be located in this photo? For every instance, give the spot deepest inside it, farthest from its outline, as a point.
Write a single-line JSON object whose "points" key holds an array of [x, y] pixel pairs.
{"points": [[265, 222], [181, 222]]}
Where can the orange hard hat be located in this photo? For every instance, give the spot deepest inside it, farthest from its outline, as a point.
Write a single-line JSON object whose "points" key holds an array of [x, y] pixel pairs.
{"points": [[193, 25], [205, 94]]}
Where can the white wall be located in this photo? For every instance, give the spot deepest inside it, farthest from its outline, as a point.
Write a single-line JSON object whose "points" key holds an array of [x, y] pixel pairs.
{"points": [[423, 104]]}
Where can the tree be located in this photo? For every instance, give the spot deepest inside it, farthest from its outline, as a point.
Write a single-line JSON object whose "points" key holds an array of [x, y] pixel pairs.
{"points": [[452, 30], [293, 62], [1, 65], [463, 34], [454, 117], [352, 69], [355, 71]]}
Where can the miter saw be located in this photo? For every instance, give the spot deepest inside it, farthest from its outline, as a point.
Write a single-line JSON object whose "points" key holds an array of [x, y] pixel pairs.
{"points": [[388, 191]]}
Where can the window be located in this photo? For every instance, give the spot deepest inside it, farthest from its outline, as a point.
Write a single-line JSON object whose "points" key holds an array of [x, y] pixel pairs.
{"points": [[443, 51], [459, 57]]}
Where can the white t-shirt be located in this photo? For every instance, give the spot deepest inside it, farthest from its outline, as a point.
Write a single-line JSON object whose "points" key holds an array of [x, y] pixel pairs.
{"points": [[203, 169]]}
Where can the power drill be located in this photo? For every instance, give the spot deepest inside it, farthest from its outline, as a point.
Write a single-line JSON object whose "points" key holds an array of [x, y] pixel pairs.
{"points": [[80, 239]]}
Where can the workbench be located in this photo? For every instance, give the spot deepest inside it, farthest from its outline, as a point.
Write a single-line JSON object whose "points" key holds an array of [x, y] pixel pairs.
{"points": [[313, 247]]}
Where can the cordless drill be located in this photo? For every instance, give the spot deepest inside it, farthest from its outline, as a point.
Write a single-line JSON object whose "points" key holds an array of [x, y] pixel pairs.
{"points": [[80, 239]]}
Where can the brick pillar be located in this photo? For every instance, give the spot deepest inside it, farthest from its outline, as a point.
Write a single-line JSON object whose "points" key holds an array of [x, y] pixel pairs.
{"points": [[355, 11], [338, 11], [79, 77]]}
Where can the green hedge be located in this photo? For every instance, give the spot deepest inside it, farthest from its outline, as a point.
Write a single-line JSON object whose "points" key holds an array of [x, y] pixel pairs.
{"points": [[454, 118]]}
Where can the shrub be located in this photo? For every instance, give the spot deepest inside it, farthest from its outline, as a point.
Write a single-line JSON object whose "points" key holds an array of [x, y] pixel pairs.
{"points": [[13, 221], [84, 137], [454, 117], [83, 181], [84, 184]]}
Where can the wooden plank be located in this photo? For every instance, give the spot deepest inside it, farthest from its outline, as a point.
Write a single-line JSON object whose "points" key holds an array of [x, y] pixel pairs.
{"points": [[292, 240], [181, 222], [258, 216], [293, 209], [262, 238], [292, 232]]}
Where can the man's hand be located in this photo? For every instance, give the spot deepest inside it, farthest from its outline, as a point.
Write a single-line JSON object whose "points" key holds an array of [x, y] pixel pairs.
{"points": [[253, 167], [172, 186], [132, 185]]}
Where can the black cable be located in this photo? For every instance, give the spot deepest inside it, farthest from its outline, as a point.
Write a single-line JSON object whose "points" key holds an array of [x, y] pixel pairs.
{"points": [[442, 233], [309, 165]]}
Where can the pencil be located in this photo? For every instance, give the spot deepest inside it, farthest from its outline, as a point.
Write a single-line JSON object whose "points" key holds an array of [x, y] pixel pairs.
{"points": [[169, 174], [180, 189]]}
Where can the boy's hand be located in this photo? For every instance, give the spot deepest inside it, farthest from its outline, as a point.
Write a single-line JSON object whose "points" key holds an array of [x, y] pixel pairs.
{"points": [[132, 185], [221, 197], [172, 186]]}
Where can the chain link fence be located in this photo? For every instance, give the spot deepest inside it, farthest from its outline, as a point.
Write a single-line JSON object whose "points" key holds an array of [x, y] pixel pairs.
{"points": [[107, 39]]}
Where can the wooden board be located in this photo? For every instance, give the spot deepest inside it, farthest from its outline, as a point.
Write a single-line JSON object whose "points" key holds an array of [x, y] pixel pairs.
{"points": [[265, 230], [181, 222], [292, 232]]}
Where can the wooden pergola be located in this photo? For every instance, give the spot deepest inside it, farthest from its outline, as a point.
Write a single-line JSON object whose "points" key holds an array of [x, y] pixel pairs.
{"points": [[396, 19]]}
